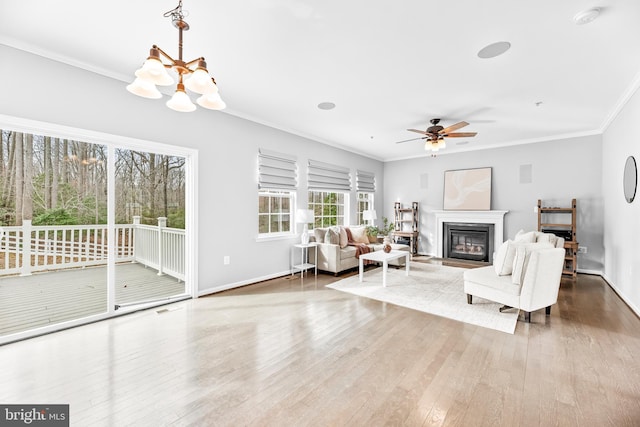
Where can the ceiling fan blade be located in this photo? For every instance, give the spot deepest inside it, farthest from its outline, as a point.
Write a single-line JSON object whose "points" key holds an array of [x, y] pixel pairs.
{"points": [[416, 130], [454, 127], [461, 134], [412, 139]]}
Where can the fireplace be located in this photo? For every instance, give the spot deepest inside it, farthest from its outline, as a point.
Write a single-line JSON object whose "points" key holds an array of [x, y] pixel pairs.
{"points": [[494, 217], [468, 241]]}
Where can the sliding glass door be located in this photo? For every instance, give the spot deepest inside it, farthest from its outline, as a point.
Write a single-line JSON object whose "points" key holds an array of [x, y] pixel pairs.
{"points": [[89, 227], [150, 228]]}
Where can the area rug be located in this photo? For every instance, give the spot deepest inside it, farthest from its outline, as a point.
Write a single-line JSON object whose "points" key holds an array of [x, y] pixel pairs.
{"points": [[431, 288]]}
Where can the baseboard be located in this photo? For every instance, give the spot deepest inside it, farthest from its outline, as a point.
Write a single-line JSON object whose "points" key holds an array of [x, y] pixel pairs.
{"points": [[228, 286], [631, 305], [592, 272]]}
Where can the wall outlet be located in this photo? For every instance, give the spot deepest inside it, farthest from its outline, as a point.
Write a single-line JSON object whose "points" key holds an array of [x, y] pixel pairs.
{"points": [[582, 249], [227, 260]]}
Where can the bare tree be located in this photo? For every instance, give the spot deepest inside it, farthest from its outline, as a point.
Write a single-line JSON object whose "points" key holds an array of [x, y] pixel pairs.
{"points": [[19, 176], [55, 175], [27, 193]]}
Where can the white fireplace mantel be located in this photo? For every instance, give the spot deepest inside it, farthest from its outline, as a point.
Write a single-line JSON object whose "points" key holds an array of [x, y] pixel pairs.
{"points": [[480, 217]]}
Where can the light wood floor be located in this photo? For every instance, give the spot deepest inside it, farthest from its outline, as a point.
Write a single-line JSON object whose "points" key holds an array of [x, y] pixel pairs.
{"points": [[286, 353]]}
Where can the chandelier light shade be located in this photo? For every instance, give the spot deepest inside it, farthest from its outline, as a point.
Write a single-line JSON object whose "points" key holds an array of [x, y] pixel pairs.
{"points": [[435, 146], [192, 75]]}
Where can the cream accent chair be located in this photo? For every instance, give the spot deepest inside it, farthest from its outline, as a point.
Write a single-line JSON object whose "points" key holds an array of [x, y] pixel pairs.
{"points": [[528, 277]]}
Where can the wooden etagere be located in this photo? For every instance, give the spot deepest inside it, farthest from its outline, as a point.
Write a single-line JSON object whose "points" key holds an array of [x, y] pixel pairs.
{"points": [[406, 222], [548, 222]]}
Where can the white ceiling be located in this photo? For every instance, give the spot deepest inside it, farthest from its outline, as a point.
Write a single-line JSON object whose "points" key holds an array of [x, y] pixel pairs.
{"points": [[387, 66]]}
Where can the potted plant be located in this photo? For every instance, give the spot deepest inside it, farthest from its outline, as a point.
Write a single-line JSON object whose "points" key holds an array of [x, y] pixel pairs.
{"points": [[374, 231]]}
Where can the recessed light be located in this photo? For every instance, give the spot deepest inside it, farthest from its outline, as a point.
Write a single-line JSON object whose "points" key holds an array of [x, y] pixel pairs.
{"points": [[494, 49], [586, 16], [462, 143], [326, 106]]}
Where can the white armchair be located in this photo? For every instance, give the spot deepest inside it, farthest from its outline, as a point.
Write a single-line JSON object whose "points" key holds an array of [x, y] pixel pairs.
{"points": [[528, 277]]}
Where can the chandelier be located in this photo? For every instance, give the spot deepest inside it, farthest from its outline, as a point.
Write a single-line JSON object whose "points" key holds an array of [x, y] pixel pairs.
{"points": [[192, 75]]}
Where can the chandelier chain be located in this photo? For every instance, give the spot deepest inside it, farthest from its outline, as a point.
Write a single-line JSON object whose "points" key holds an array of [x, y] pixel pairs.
{"points": [[176, 14]]}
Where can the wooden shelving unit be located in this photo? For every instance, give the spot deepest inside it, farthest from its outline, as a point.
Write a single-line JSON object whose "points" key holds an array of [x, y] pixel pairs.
{"points": [[406, 222], [548, 222]]}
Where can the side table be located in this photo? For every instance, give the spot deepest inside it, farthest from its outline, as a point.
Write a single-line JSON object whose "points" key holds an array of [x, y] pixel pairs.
{"points": [[304, 258]]}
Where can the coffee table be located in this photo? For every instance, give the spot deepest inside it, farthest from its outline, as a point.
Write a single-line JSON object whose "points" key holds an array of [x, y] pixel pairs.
{"points": [[384, 258]]}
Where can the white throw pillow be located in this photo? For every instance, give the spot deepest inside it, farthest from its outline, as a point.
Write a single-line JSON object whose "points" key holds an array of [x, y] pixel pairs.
{"points": [[518, 265], [529, 237], [319, 233], [521, 259], [359, 235], [503, 262], [344, 240], [332, 236]]}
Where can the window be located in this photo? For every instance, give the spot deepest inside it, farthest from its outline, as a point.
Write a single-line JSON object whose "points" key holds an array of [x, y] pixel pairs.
{"points": [[274, 211], [277, 183], [328, 208], [365, 203]]}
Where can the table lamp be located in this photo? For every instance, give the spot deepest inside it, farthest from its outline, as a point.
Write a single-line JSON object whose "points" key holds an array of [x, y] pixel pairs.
{"points": [[369, 215], [304, 217]]}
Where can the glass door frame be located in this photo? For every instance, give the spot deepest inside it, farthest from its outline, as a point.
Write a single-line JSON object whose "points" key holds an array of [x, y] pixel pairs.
{"points": [[113, 142]]}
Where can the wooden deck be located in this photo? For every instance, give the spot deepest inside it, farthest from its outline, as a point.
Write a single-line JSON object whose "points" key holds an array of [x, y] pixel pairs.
{"points": [[52, 297]]}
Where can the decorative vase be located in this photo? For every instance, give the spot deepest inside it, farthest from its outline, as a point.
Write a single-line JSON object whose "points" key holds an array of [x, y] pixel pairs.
{"points": [[386, 244]]}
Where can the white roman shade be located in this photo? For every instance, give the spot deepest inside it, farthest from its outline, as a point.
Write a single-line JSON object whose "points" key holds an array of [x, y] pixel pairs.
{"points": [[276, 171], [325, 176], [365, 181]]}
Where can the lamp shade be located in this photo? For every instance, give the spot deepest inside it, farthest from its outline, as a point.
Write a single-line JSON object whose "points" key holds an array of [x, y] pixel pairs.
{"points": [[211, 101], [369, 215], [144, 88], [153, 71], [304, 216], [200, 82], [180, 102]]}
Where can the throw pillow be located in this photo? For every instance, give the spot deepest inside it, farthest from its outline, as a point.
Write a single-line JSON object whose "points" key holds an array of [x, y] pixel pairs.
{"points": [[319, 233], [543, 237], [518, 265], [529, 237], [332, 236], [344, 240], [553, 239], [503, 262], [521, 260], [359, 235]]}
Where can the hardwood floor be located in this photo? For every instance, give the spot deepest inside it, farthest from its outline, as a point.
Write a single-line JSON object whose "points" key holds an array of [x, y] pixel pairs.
{"points": [[292, 353]]}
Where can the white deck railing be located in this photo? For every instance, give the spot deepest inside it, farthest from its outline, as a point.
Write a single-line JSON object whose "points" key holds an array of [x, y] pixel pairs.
{"points": [[58, 247]]}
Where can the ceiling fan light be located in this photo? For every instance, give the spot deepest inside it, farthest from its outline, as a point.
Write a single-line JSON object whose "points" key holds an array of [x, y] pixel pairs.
{"points": [[180, 101], [144, 89], [212, 101], [200, 82], [154, 71]]}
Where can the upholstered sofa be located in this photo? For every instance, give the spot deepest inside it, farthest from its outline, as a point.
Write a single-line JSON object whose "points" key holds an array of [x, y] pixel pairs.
{"points": [[525, 274], [337, 254]]}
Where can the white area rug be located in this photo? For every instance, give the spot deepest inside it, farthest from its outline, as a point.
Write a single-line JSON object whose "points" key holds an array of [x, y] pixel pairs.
{"points": [[430, 288]]}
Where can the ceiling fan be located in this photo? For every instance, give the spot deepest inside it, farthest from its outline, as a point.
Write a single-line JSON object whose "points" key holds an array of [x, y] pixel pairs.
{"points": [[435, 134]]}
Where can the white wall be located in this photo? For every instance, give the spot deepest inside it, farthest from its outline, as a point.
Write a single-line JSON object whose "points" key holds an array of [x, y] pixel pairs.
{"points": [[561, 170], [39, 89], [622, 220]]}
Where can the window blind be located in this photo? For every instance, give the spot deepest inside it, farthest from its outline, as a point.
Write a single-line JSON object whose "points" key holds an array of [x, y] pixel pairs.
{"points": [[325, 176], [365, 181], [276, 171]]}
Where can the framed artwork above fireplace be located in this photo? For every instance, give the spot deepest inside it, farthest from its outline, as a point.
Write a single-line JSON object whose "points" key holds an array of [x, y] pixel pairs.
{"points": [[467, 189]]}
